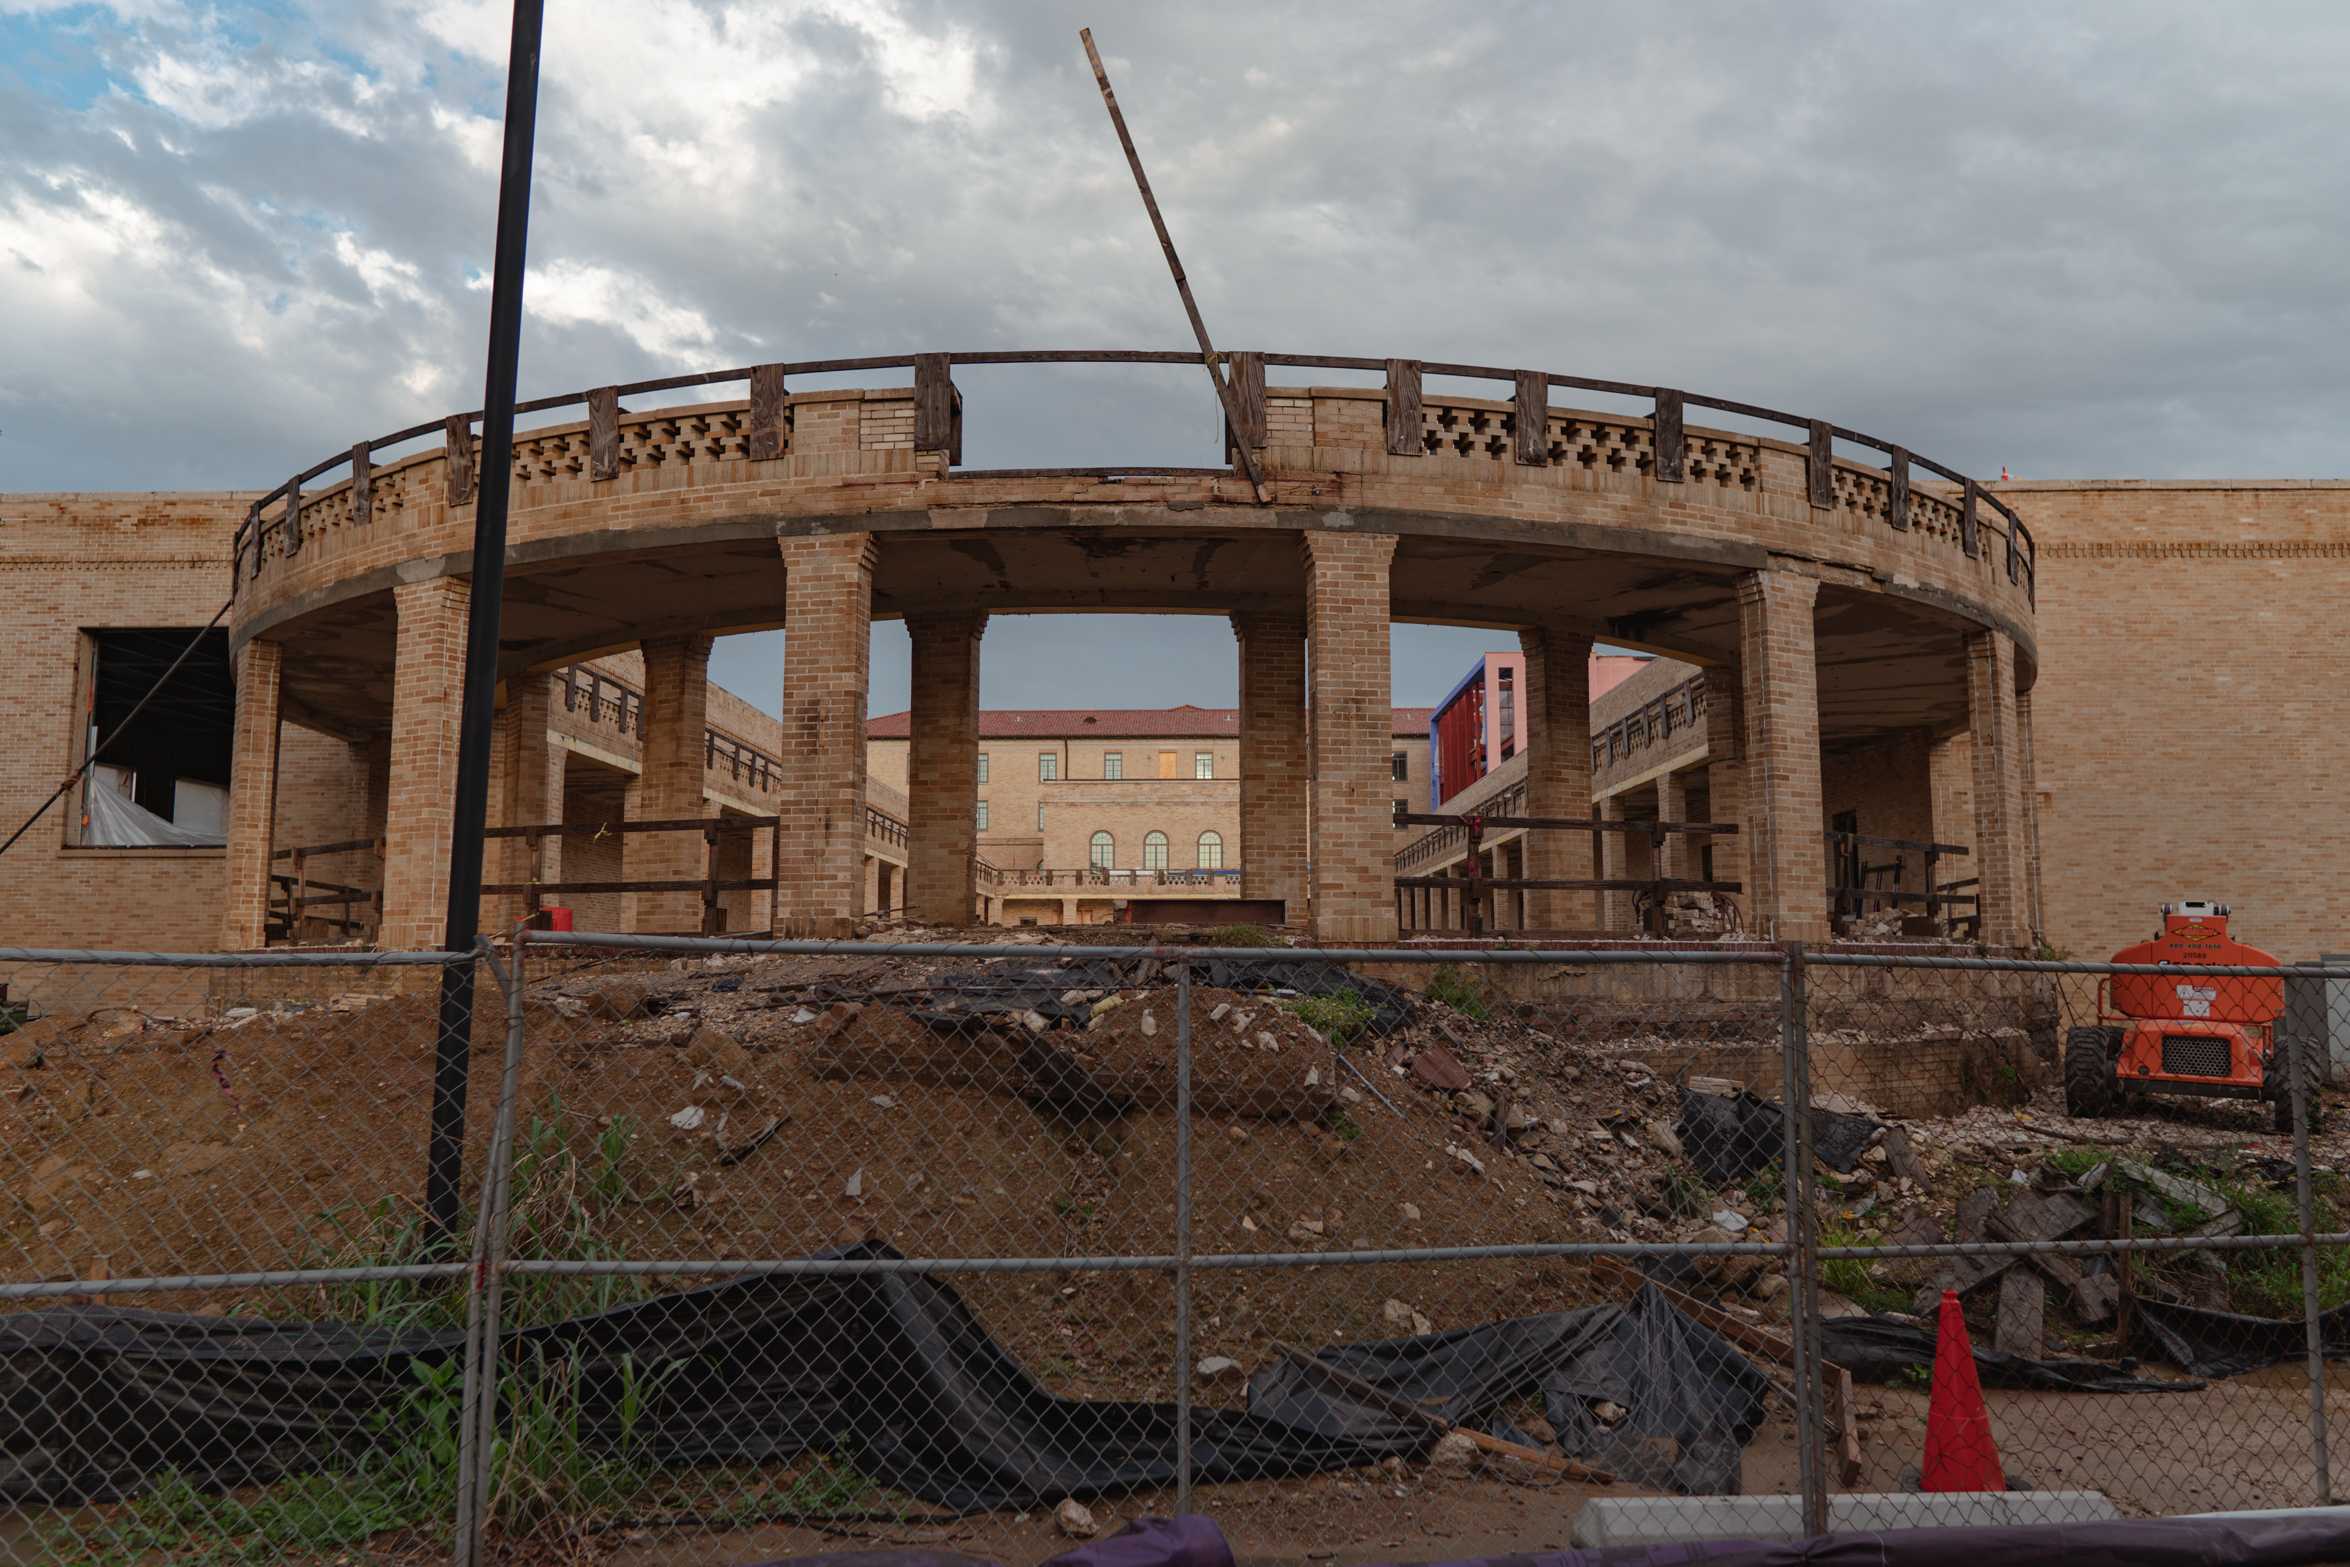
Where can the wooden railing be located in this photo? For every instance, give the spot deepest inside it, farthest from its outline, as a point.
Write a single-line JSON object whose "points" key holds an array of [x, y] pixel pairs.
{"points": [[1853, 889], [1475, 889], [1523, 425], [607, 698]]}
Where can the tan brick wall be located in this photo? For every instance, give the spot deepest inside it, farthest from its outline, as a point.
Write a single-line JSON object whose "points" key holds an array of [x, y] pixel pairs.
{"points": [[2188, 738], [1558, 775], [252, 800], [1349, 727], [1779, 712], [828, 619], [427, 698], [1271, 842], [942, 767], [1996, 751], [670, 787]]}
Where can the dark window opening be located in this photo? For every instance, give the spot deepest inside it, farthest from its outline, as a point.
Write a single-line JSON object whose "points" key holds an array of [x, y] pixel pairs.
{"points": [[163, 781]]}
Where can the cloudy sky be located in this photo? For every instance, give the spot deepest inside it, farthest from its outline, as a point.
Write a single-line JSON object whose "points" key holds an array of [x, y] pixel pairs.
{"points": [[2086, 240]]}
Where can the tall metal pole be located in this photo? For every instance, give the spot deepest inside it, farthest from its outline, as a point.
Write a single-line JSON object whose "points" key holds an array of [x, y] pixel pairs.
{"points": [[445, 1155], [1199, 327]]}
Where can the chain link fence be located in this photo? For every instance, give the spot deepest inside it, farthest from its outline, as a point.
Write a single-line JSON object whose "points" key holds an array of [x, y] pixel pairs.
{"points": [[771, 1244]]}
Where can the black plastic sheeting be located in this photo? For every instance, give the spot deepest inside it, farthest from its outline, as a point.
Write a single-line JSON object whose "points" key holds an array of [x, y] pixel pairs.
{"points": [[1693, 1400], [889, 1369], [1729, 1137], [1877, 1349], [2224, 1344], [1013, 986]]}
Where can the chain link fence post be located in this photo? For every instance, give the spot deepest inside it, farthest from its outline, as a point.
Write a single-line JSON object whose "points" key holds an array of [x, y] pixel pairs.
{"points": [[1802, 1238], [2312, 1312], [1182, 1238], [478, 1417]]}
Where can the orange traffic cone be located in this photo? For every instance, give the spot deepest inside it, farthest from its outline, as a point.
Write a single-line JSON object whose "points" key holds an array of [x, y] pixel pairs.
{"points": [[1960, 1455]]}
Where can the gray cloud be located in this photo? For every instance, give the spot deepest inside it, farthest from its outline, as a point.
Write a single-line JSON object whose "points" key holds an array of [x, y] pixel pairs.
{"points": [[2083, 242]]}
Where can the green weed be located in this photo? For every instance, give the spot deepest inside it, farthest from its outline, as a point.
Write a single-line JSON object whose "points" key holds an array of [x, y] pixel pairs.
{"points": [[1339, 1017], [1850, 1277], [1459, 992], [1242, 936], [1682, 1195]]}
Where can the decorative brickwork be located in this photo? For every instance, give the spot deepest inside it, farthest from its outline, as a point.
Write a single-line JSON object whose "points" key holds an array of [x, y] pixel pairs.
{"points": [[1353, 822], [942, 790], [527, 792], [1779, 707], [670, 787], [1996, 749], [252, 796], [1273, 760], [1558, 773], [828, 622], [428, 672]]}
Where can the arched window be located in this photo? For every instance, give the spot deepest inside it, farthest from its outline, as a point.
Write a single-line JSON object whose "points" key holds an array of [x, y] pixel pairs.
{"points": [[1211, 851], [1104, 851], [1154, 851]]}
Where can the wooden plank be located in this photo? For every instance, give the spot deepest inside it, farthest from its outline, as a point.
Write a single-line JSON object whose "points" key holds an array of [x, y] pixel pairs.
{"points": [[765, 435], [1900, 1159], [1248, 396], [1403, 409], [2049, 1219], [934, 404], [1671, 445], [362, 485], [604, 433], [1897, 494], [457, 436], [2094, 1296], [293, 518], [1970, 536], [1533, 418], [1819, 464], [2023, 1314]]}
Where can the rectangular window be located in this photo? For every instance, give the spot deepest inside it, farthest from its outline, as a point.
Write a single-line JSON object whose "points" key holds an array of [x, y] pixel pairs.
{"points": [[1113, 764], [163, 781], [1401, 766], [1040, 816], [1048, 767], [1166, 764], [983, 816], [983, 767], [1203, 764]]}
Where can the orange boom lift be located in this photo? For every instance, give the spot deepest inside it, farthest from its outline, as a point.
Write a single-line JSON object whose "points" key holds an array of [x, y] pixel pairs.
{"points": [[2200, 1034]]}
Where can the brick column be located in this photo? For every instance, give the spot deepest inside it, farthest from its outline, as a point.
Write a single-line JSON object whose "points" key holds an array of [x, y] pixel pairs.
{"points": [[2036, 911], [828, 626], [1725, 778], [942, 770], [1273, 772], [1558, 773], [670, 787], [1779, 710], [252, 796], [1617, 909], [428, 677], [1349, 737], [1678, 862], [1997, 752]]}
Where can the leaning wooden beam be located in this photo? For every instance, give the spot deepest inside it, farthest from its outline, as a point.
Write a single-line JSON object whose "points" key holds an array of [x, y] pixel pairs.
{"points": [[1199, 328]]}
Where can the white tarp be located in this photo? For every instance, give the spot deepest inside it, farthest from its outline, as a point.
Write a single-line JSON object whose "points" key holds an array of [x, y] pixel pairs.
{"points": [[117, 822]]}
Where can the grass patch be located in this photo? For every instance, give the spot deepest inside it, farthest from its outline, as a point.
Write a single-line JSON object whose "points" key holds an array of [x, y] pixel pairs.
{"points": [[1339, 1017], [2074, 1163], [1242, 936], [549, 1470], [1850, 1277], [2268, 1283], [1459, 992], [566, 1199]]}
